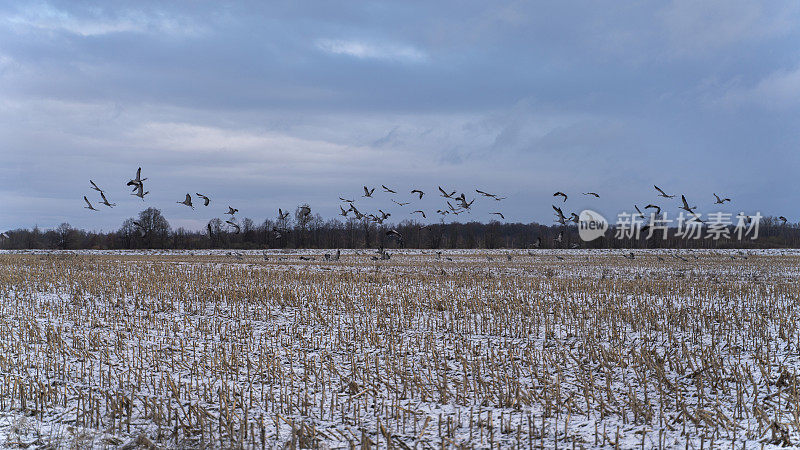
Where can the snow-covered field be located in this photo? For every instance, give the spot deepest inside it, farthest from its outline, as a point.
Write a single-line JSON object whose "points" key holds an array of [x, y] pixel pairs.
{"points": [[545, 348]]}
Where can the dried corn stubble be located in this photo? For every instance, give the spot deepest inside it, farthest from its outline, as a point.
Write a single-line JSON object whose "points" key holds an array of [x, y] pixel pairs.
{"points": [[584, 349]]}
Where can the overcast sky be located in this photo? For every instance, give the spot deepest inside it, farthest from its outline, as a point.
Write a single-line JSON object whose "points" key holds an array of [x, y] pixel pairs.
{"points": [[266, 106]]}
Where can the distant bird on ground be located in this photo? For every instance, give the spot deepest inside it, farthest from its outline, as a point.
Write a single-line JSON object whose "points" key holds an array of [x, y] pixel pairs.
{"points": [[281, 215], [576, 245], [232, 211], [368, 192], [561, 218], [105, 201], [418, 192], [397, 235], [344, 212], [656, 207], [538, 242], [629, 255], [88, 203], [94, 186], [499, 214], [139, 191], [484, 193], [559, 193], [234, 225], [783, 219], [138, 180], [421, 212], [345, 200], [445, 194], [400, 203], [596, 195], [560, 236], [386, 189], [187, 201], [206, 200], [720, 200], [663, 194]]}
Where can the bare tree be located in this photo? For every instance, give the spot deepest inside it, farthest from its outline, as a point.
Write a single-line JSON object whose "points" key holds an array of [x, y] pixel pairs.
{"points": [[155, 226]]}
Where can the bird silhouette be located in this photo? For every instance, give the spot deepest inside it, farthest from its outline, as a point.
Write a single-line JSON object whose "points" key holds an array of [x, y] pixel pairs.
{"points": [[561, 218], [234, 225], [400, 203], [105, 201], [94, 186], [232, 211], [418, 192], [445, 194], [206, 200], [368, 192], [141, 228], [720, 200], [685, 206], [596, 195], [662, 193], [187, 201], [559, 193], [421, 212], [386, 189], [139, 191], [89, 203], [499, 214], [397, 235], [137, 182], [656, 207]]}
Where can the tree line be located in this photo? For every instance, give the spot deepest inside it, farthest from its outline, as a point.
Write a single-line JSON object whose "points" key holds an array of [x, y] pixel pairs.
{"points": [[150, 230]]}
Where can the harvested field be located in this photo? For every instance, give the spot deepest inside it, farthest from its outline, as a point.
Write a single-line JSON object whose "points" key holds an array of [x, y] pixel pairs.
{"points": [[483, 349]]}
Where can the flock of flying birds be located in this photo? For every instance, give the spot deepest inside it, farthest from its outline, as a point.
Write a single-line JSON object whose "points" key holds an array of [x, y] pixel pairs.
{"points": [[461, 202], [461, 205], [453, 204], [138, 191]]}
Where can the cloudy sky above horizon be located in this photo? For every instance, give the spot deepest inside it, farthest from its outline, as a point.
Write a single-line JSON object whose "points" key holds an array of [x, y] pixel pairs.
{"points": [[262, 106]]}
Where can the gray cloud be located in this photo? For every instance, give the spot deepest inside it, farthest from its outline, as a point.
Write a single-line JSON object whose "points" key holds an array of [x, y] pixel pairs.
{"points": [[266, 107]]}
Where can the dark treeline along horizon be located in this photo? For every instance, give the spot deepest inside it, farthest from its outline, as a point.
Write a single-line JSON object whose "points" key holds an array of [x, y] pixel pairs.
{"points": [[312, 231]]}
